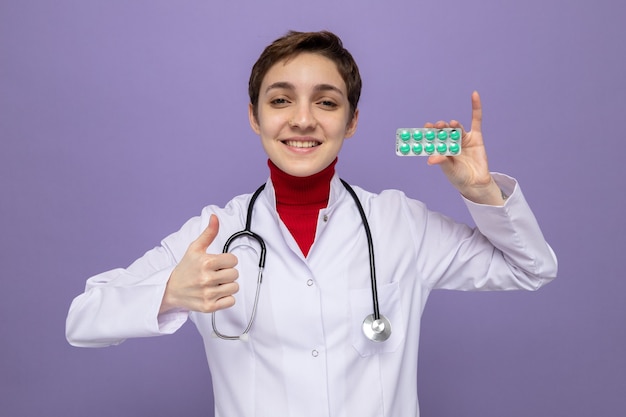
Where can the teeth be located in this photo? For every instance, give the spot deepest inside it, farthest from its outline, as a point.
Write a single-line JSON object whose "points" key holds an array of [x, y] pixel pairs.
{"points": [[301, 144]]}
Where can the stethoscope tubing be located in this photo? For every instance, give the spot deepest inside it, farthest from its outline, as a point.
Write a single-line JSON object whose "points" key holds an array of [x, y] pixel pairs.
{"points": [[376, 327], [261, 242], [370, 247]]}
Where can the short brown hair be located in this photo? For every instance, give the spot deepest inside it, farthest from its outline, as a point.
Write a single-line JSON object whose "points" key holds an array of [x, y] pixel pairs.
{"points": [[293, 43]]}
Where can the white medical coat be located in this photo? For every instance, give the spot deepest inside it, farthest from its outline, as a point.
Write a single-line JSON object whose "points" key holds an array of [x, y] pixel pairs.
{"points": [[307, 355]]}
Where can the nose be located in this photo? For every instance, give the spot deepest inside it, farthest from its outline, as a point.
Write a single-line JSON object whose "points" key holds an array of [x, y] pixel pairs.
{"points": [[303, 118]]}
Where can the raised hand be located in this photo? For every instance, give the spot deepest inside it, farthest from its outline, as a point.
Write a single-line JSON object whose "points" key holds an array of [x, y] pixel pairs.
{"points": [[202, 282], [469, 171]]}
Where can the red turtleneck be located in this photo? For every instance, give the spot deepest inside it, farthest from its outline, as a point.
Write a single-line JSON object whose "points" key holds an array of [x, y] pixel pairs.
{"points": [[299, 200]]}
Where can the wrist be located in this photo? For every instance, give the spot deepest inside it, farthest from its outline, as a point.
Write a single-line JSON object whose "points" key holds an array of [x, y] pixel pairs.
{"points": [[167, 302], [490, 194]]}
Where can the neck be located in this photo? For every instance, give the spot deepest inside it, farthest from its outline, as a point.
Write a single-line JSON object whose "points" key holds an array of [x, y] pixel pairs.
{"points": [[294, 190], [299, 200]]}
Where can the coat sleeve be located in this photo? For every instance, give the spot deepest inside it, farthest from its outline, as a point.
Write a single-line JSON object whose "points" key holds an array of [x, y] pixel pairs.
{"points": [[124, 303], [506, 250]]}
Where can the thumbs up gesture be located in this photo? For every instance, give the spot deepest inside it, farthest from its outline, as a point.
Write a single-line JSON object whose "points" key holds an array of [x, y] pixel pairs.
{"points": [[202, 282]]}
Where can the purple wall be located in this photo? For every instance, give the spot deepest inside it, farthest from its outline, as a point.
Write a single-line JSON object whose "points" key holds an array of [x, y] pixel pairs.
{"points": [[121, 119]]}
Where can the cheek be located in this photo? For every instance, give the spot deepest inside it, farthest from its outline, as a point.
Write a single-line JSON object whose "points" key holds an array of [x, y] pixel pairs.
{"points": [[270, 123], [337, 123], [339, 128]]}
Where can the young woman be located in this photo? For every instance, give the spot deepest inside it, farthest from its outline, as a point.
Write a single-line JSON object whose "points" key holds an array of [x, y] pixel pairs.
{"points": [[319, 336]]}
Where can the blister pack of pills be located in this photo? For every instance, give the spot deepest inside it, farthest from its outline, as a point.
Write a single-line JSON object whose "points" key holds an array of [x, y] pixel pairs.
{"points": [[428, 141]]}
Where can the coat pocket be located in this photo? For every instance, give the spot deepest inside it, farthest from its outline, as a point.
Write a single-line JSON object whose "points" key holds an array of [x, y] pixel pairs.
{"points": [[389, 304]]}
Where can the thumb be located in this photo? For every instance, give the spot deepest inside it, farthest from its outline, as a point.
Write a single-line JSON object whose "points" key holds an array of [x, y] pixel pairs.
{"points": [[207, 236], [436, 160]]}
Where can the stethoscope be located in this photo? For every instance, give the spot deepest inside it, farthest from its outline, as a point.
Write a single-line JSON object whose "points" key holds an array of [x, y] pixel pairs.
{"points": [[376, 327]]}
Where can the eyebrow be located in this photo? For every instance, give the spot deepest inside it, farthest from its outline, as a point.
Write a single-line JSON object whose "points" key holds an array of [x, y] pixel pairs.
{"points": [[288, 86]]}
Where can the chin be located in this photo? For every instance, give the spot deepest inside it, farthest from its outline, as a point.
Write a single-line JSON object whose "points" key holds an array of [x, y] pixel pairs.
{"points": [[301, 171]]}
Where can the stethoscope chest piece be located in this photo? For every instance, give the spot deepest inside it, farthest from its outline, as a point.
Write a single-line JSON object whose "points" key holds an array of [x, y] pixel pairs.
{"points": [[376, 330]]}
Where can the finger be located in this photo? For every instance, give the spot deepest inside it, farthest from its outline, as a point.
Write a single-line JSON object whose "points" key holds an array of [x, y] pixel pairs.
{"points": [[221, 297], [207, 236], [477, 112], [436, 159], [211, 264], [223, 276], [441, 124], [223, 303], [223, 290], [456, 124], [213, 301]]}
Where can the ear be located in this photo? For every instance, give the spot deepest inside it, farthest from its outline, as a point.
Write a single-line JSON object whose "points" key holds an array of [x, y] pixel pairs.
{"points": [[254, 122], [352, 124]]}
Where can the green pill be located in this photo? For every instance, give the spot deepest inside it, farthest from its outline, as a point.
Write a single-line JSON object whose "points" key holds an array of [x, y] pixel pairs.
{"points": [[455, 135], [404, 148], [430, 135], [417, 148], [454, 148], [417, 135], [442, 135], [442, 148], [429, 148], [405, 135]]}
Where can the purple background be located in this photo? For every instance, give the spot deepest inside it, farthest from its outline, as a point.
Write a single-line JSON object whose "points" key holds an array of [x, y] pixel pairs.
{"points": [[119, 120]]}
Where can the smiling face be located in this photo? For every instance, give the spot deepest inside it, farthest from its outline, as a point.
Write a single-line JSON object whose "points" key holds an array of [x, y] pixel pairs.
{"points": [[303, 114]]}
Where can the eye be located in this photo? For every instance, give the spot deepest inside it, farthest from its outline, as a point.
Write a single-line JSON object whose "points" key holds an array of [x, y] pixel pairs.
{"points": [[329, 104], [280, 101]]}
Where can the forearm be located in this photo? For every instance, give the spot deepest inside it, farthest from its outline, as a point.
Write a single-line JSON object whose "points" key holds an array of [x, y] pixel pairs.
{"points": [[513, 229], [123, 303]]}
